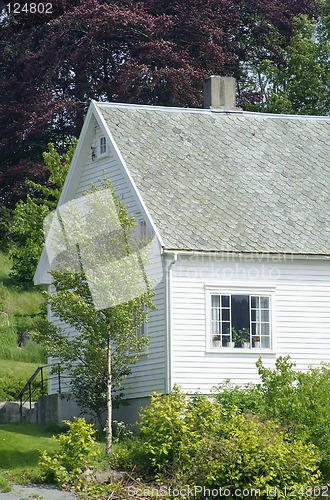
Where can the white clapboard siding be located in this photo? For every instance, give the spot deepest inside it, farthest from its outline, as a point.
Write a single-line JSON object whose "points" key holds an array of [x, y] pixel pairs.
{"points": [[148, 374], [53, 379], [301, 317]]}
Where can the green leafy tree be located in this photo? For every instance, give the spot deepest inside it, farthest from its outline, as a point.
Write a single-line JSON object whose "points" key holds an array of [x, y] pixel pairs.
{"points": [[28, 217], [300, 84], [106, 343], [148, 52]]}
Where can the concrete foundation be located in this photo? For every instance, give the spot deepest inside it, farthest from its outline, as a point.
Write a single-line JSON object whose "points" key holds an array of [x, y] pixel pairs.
{"points": [[55, 408], [129, 413], [58, 407]]}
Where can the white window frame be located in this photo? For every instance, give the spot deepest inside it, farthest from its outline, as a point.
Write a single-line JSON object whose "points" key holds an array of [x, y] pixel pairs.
{"points": [[103, 147], [239, 290]]}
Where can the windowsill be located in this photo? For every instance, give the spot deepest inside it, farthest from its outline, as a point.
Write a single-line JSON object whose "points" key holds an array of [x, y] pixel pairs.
{"points": [[240, 350], [101, 156]]}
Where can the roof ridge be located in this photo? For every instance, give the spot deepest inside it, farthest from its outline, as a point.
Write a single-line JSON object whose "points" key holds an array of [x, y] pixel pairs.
{"points": [[170, 109]]}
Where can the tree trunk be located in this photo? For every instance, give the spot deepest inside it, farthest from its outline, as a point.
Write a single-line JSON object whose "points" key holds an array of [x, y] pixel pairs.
{"points": [[108, 425]]}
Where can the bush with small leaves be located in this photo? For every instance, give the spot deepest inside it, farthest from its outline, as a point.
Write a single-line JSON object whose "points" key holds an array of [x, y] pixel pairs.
{"points": [[162, 427], [77, 452], [300, 401], [195, 440], [248, 397]]}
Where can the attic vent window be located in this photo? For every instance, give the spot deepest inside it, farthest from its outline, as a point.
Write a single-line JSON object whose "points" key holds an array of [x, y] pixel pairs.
{"points": [[103, 146]]}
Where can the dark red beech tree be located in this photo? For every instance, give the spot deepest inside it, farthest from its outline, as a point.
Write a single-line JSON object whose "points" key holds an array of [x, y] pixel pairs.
{"points": [[148, 51]]}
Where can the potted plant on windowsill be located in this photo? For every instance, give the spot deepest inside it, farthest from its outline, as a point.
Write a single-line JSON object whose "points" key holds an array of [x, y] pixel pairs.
{"points": [[244, 338], [256, 341], [231, 338], [216, 341], [241, 338]]}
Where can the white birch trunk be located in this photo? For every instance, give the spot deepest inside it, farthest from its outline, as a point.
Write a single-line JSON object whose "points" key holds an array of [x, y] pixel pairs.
{"points": [[108, 425]]}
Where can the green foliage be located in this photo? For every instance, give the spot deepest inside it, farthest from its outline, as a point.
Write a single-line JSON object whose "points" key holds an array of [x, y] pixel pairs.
{"points": [[162, 427], [197, 441], [301, 83], [112, 329], [28, 217], [5, 222], [10, 385], [4, 485], [13, 376], [301, 402], [298, 401], [247, 398], [128, 454], [13, 380], [77, 452], [19, 354]]}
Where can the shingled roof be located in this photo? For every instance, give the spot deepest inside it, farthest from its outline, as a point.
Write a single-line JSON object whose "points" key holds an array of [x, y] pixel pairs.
{"points": [[232, 182]]}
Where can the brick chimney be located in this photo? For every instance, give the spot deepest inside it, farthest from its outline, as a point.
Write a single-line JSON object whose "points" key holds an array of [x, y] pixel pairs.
{"points": [[220, 93]]}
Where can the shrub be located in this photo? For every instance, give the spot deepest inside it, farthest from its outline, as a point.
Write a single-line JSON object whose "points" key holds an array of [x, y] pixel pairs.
{"points": [[247, 398], [198, 441], [244, 452], [4, 485], [301, 402], [10, 385], [77, 452], [162, 426]]}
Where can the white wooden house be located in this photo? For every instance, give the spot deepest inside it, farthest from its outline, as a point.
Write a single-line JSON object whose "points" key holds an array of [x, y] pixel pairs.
{"points": [[240, 206]]}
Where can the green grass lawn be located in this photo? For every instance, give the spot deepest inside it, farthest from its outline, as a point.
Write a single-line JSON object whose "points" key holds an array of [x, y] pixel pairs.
{"points": [[18, 310], [19, 450], [13, 377], [22, 370], [16, 300]]}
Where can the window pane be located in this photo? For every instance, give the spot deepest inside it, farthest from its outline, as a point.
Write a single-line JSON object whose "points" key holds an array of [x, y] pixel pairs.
{"points": [[264, 315], [103, 145], [254, 302], [264, 302], [226, 315], [264, 328], [215, 314], [265, 342], [256, 328], [225, 300], [215, 327], [226, 328], [257, 315], [215, 300]]}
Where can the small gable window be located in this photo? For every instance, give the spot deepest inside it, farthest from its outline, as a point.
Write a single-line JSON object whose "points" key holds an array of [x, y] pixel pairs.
{"points": [[240, 320], [103, 146], [143, 229]]}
